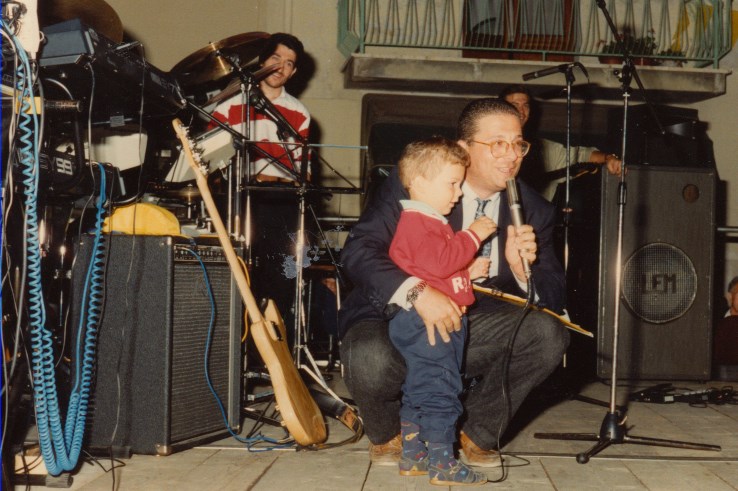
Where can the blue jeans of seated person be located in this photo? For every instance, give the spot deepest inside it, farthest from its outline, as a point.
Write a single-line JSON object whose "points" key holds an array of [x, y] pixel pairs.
{"points": [[432, 386], [374, 370]]}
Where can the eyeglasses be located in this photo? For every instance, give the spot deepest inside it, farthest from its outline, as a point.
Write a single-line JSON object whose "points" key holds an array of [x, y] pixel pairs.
{"points": [[500, 148]]}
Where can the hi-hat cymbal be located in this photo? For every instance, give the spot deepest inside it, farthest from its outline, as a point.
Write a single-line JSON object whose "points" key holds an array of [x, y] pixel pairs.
{"points": [[187, 193], [96, 14], [205, 64], [235, 84]]}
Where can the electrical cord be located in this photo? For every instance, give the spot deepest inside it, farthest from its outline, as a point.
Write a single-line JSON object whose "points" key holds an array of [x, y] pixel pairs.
{"points": [[92, 305], [206, 362], [506, 376], [44, 386]]}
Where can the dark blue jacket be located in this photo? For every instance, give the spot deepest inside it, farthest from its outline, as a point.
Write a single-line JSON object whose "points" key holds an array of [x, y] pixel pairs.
{"points": [[375, 278]]}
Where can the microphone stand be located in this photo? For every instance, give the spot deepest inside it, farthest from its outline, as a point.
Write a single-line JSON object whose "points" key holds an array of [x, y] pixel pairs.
{"points": [[612, 429], [567, 207], [286, 130], [568, 70]]}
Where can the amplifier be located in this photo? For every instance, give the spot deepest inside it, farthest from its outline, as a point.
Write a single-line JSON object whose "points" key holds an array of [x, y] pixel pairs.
{"points": [[150, 392]]}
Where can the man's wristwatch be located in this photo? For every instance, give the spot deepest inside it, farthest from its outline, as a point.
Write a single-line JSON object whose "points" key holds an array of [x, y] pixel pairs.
{"points": [[414, 292]]}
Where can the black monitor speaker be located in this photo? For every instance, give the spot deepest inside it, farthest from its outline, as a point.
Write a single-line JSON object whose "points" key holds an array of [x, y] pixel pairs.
{"points": [[666, 274]]}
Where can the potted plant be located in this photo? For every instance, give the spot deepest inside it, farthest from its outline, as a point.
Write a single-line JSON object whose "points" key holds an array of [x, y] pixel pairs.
{"points": [[675, 57], [638, 47]]}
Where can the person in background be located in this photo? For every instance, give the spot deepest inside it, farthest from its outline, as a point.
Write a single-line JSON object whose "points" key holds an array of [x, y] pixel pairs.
{"points": [[491, 132], [732, 297], [725, 338], [552, 155]]}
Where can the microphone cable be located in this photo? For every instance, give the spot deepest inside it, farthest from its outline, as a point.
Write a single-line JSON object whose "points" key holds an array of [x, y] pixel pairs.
{"points": [[517, 219]]}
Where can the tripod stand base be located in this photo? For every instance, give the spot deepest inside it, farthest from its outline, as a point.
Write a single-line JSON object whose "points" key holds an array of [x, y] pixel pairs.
{"points": [[612, 432]]}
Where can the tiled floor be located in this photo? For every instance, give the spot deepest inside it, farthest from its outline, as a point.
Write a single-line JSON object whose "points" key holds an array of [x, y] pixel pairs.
{"points": [[533, 463]]}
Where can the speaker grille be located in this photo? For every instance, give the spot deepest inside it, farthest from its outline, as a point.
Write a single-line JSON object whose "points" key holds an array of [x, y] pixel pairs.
{"points": [[194, 408], [659, 283], [150, 394]]}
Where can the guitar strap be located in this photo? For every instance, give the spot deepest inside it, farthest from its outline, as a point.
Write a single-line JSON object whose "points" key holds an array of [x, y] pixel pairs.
{"points": [[343, 412]]}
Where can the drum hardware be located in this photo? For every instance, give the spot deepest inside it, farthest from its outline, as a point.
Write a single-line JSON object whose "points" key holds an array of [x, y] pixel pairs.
{"points": [[234, 86]]}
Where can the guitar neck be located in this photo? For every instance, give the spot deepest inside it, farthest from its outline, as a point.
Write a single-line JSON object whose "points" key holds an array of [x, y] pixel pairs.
{"points": [[202, 184]]}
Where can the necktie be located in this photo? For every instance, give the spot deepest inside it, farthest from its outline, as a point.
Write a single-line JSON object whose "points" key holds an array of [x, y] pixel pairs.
{"points": [[486, 247]]}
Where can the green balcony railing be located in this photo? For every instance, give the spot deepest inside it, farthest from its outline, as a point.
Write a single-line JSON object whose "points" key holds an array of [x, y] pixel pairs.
{"points": [[675, 32]]}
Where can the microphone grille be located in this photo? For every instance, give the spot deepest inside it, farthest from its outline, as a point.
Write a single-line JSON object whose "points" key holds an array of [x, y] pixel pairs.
{"points": [[513, 196]]}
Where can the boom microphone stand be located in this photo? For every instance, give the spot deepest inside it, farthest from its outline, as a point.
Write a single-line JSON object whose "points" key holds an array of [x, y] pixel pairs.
{"points": [[568, 70], [612, 429]]}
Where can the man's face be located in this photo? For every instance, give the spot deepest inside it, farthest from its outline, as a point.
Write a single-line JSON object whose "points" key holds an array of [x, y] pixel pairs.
{"points": [[488, 174], [286, 59], [522, 104]]}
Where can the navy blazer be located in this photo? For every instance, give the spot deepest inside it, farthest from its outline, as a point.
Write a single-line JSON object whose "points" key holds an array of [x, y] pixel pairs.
{"points": [[375, 277]]}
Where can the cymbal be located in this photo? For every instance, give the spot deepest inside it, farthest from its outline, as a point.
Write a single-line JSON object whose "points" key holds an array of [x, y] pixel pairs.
{"points": [[96, 14], [235, 84], [205, 65], [188, 192]]}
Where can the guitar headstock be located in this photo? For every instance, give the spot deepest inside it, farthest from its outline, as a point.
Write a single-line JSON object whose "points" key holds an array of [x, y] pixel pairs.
{"points": [[194, 153]]}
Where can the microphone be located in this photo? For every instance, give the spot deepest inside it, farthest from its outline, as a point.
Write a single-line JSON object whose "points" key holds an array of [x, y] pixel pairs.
{"points": [[554, 69], [516, 213], [262, 104]]}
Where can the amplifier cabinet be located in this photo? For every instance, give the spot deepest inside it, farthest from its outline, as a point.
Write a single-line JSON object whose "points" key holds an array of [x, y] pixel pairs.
{"points": [[150, 393]]}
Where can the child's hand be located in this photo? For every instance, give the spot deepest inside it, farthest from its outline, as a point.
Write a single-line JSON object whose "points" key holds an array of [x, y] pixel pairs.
{"points": [[479, 268], [483, 227]]}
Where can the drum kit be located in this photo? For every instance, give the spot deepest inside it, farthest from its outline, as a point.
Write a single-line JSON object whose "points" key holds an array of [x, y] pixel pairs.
{"points": [[229, 63]]}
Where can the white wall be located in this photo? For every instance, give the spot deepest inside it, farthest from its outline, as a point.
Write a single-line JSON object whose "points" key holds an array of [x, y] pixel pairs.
{"points": [[172, 29]]}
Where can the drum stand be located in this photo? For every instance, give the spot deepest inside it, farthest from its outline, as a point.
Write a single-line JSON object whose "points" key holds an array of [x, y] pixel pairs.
{"points": [[613, 430], [285, 130]]}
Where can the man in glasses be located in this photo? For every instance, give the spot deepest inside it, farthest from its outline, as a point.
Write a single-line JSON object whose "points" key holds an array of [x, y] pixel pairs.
{"points": [[491, 131]]}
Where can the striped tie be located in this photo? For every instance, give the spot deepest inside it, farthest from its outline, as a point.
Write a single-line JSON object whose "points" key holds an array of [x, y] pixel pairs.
{"points": [[486, 248]]}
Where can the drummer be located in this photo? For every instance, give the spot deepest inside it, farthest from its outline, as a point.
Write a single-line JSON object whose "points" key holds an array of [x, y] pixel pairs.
{"points": [[282, 52], [274, 215]]}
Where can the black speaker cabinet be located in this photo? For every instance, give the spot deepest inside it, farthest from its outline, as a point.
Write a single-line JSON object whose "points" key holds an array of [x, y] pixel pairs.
{"points": [[665, 305], [150, 393]]}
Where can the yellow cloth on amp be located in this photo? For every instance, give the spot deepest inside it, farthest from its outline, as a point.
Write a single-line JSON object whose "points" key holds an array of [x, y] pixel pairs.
{"points": [[142, 219]]}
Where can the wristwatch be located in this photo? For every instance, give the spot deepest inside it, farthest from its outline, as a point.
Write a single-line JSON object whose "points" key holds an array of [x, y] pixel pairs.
{"points": [[414, 292]]}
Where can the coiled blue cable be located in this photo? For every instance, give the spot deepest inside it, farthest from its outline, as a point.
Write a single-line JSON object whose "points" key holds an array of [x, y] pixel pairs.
{"points": [[44, 384], [92, 306], [54, 445]]}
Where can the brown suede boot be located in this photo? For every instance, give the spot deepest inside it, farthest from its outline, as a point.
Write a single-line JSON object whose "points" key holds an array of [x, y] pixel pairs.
{"points": [[387, 453], [471, 454]]}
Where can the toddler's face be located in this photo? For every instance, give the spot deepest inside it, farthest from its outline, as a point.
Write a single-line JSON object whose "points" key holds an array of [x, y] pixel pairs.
{"points": [[441, 191]]}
